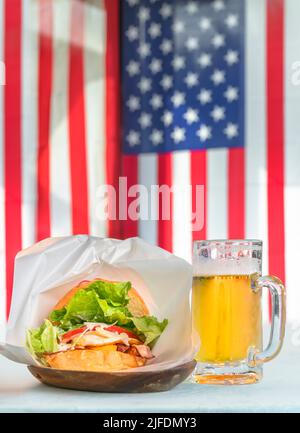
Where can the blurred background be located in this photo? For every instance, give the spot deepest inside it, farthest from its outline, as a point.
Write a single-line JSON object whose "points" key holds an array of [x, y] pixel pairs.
{"points": [[203, 92]]}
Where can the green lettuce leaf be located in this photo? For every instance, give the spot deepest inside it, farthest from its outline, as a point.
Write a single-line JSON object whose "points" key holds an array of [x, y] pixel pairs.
{"points": [[149, 327], [116, 294], [119, 315], [42, 339]]}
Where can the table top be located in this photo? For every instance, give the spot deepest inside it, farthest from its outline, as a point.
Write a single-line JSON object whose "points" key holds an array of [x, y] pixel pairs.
{"points": [[278, 392]]}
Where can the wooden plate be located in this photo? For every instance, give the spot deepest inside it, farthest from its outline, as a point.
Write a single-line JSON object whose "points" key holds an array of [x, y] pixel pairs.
{"points": [[114, 382]]}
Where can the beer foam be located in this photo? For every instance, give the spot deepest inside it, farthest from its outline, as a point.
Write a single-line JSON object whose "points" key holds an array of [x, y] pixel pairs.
{"points": [[221, 266]]}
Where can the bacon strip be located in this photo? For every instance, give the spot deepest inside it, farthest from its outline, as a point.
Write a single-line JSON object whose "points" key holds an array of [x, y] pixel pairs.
{"points": [[144, 351]]}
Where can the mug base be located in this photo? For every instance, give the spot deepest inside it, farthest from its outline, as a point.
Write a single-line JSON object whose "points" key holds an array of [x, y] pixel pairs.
{"points": [[226, 374]]}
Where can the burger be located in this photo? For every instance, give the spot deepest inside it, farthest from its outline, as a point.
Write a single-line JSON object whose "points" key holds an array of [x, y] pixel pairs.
{"points": [[98, 325]]}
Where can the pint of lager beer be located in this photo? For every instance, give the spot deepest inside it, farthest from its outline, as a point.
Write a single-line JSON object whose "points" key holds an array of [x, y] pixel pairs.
{"points": [[227, 311], [227, 316]]}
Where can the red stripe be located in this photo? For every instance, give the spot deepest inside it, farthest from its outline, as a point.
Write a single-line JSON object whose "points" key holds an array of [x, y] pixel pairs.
{"points": [[236, 193], [165, 234], [44, 102], [78, 160], [130, 172], [275, 135], [12, 137], [113, 133], [198, 177]]}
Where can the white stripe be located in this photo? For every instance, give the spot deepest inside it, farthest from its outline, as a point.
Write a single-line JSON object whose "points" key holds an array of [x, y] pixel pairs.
{"points": [[255, 117], [2, 196], [94, 64], [29, 120], [182, 205], [256, 171], [147, 176], [59, 134], [292, 158], [217, 197]]}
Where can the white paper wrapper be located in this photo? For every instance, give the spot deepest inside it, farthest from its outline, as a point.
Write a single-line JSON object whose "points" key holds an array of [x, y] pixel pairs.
{"points": [[49, 269]]}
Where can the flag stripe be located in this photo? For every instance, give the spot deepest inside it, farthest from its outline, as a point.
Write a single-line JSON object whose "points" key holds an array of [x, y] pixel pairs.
{"points": [[198, 177], [94, 76], [29, 121], [78, 163], [12, 140], [292, 156], [147, 176], [130, 172], [255, 150], [113, 132], [236, 193], [275, 136], [217, 180], [45, 56], [256, 166], [182, 205], [60, 204], [165, 177], [2, 195]]}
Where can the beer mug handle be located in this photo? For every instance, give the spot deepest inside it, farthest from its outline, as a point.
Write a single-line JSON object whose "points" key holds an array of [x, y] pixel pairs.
{"points": [[278, 298]]}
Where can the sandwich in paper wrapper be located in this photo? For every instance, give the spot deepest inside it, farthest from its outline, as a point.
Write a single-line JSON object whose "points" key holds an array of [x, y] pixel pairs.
{"points": [[90, 304]]}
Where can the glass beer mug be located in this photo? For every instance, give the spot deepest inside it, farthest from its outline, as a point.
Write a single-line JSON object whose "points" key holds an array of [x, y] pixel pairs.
{"points": [[227, 312]]}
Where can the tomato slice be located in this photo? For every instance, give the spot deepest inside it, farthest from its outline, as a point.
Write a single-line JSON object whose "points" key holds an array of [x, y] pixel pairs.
{"points": [[121, 330], [70, 334]]}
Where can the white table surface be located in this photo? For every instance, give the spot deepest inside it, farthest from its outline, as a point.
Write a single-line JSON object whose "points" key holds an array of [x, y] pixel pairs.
{"points": [[278, 392]]}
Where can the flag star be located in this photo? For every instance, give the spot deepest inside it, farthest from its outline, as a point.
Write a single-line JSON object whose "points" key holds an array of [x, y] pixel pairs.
{"points": [[166, 10], [191, 79], [133, 103], [218, 77], [156, 101], [178, 134], [231, 94], [144, 14], [133, 2], [133, 138], [178, 26], [204, 60], [218, 40], [144, 50], [231, 57], [145, 120], [132, 33], [204, 132], [145, 84], [232, 20], [154, 30], [192, 7], [155, 66], [192, 43], [231, 130], [166, 46], [218, 113], [191, 116], [167, 118], [178, 99], [205, 24], [167, 82], [218, 5], [133, 68], [205, 96], [156, 137], [178, 63]]}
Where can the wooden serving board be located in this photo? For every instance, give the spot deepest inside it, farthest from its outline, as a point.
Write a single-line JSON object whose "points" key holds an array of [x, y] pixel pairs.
{"points": [[138, 381]]}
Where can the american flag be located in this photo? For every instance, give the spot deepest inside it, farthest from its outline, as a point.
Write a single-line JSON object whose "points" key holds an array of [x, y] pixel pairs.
{"points": [[161, 92]]}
